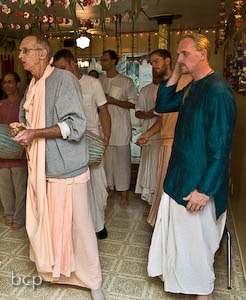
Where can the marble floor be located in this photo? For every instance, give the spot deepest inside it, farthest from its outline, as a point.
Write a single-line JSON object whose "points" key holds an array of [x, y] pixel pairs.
{"points": [[123, 258]]}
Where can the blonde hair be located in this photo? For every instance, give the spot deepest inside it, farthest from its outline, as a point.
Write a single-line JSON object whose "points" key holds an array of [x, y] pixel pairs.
{"points": [[200, 41]]}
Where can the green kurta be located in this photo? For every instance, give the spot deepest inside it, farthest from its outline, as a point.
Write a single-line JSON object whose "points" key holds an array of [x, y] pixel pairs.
{"points": [[203, 138]]}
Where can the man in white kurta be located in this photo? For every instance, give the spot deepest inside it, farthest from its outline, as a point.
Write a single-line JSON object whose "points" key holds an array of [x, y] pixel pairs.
{"points": [[121, 97], [146, 180], [93, 99]]}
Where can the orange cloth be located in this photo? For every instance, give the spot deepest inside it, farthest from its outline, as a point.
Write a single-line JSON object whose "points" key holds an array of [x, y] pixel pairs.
{"points": [[62, 238], [37, 218], [76, 259], [168, 124]]}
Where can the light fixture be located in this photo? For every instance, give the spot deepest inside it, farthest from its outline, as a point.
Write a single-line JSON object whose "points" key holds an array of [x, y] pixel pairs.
{"points": [[83, 42]]}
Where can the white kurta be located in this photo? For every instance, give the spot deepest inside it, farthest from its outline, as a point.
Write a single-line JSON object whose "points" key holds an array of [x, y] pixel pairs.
{"points": [[146, 180], [121, 88], [183, 247], [93, 96]]}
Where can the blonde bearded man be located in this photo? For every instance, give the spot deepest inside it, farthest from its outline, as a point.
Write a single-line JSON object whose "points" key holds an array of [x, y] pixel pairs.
{"points": [[192, 212], [93, 100], [63, 243]]}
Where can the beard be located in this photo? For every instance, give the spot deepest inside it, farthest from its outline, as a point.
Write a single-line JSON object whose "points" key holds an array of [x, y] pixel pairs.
{"points": [[158, 74]]}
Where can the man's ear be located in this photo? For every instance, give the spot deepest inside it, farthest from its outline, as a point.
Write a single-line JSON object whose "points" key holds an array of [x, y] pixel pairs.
{"points": [[168, 60], [73, 64], [44, 54], [204, 54]]}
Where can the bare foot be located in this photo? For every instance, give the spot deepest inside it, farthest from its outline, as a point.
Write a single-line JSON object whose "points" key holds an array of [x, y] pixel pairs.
{"points": [[110, 193], [16, 226], [124, 203], [8, 222], [124, 199]]}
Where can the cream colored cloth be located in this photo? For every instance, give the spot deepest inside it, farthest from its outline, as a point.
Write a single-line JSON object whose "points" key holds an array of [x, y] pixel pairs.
{"points": [[147, 172], [93, 97], [97, 193], [183, 246], [164, 156], [146, 179], [146, 102], [76, 259], [121, 88], [37, 217], [117, 161]]}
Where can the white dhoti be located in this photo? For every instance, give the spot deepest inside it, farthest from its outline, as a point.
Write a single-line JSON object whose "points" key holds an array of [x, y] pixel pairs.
{"points": [[183, 247], [117, 163], [147, 173], [97, 195]]}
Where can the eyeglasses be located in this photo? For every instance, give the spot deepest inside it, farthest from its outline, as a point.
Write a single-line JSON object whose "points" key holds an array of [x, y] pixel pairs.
{"points": [[26, 50]]}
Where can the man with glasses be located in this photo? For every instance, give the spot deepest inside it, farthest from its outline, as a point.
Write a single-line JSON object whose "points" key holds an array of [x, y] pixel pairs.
{"points": [[62, 238], [13, 172]]}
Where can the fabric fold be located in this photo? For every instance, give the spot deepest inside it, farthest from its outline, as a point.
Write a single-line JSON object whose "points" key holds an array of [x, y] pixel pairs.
{"points": [[37, 221]]}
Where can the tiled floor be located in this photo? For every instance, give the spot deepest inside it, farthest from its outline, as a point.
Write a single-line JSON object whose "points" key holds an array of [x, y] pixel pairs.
{"points": [[123, 258]]}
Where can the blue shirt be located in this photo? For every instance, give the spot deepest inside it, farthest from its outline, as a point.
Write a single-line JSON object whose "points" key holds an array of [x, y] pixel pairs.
{"points": [[202, 141]]}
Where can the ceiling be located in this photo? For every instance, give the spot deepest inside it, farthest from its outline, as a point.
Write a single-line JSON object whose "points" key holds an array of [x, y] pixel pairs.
{"points": [[187, 14]]}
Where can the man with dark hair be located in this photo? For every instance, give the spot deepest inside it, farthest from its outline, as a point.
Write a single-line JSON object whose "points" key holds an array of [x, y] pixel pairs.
{"points": [[13, 172], [150, 139], [160, 60], [192, 212], [94, 73], [112, 54], [93, 100], [63, 243], [121, 97]]}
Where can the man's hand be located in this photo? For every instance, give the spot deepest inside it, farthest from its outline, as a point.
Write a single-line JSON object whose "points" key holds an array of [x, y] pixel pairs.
{"points": [[16, 127], [175, 75], [142, 139], [25, 137], [157, 114], [110, 100], [106, 140], [196, 201]]}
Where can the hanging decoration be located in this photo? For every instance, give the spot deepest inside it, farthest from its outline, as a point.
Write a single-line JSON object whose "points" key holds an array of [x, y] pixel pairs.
{"points": [[138, 59], [239, 12], [221, 31], [236, 74], [135, 10], [5, 9], [237, 19]]}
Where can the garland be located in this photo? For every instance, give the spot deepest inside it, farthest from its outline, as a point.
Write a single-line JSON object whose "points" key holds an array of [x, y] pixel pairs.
{"points": [[37, 20], [52, 19], [63, 3]]}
